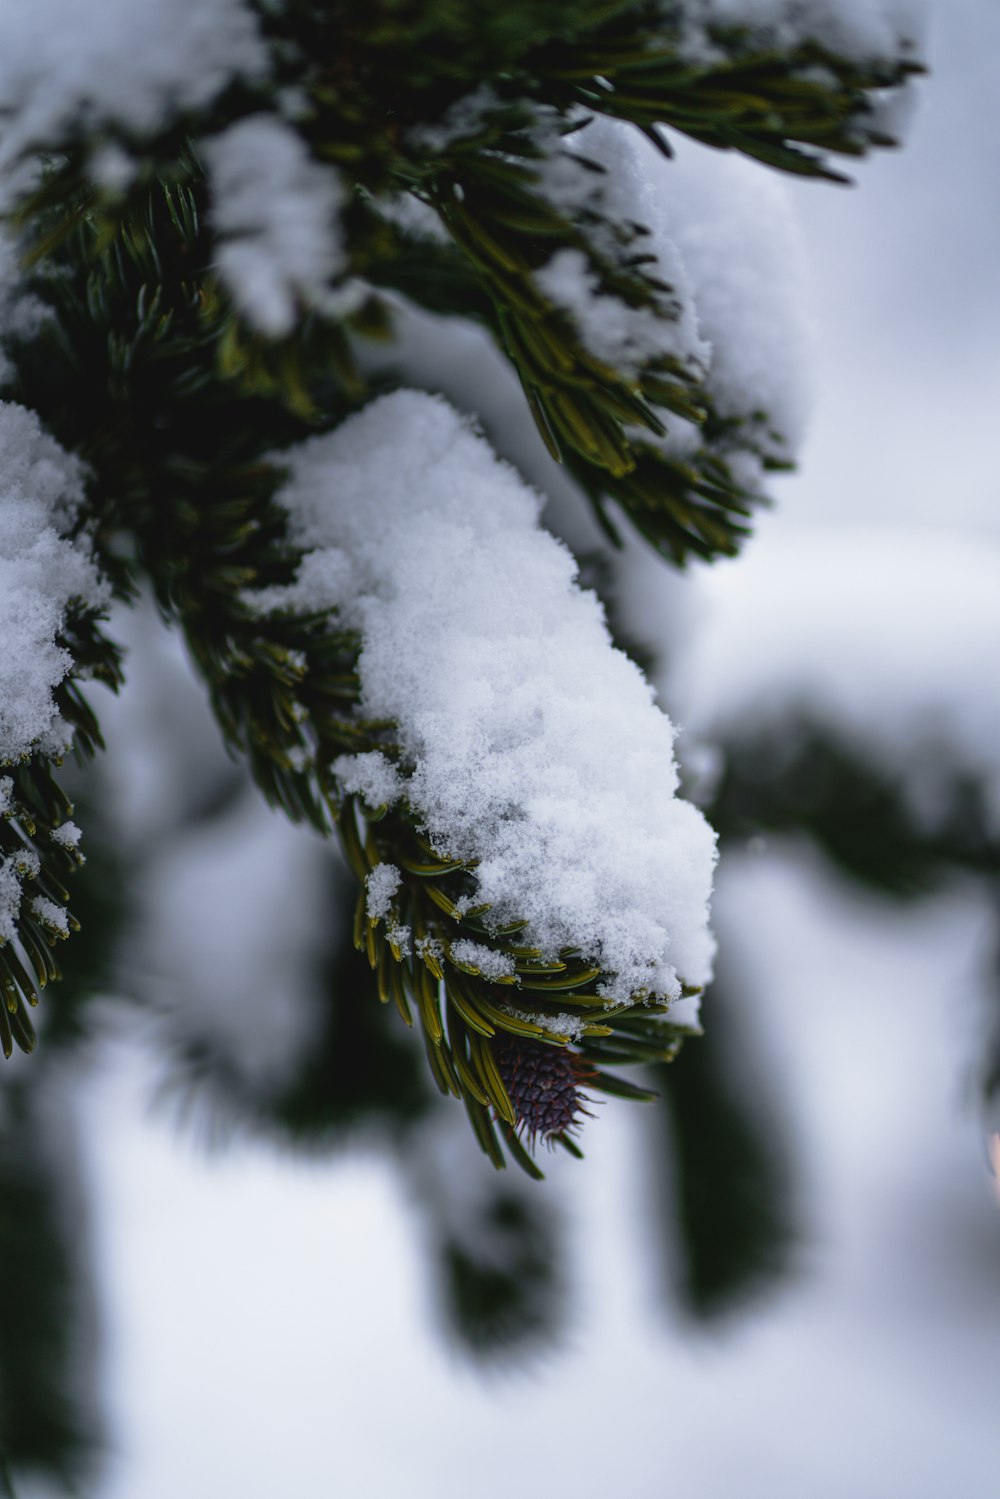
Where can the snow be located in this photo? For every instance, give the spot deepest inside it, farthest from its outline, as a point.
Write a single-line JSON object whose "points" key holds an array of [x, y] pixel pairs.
{"points": [[235, 925], [125, 63], [165, 760], [20, 314], [462, 120], [619, 335], [10, 899], [572, 1026], [51, 915], [531, 746], [27, 863], [611, 208], [862, 30], [429, 949], [486, 960], [67, 835], [737, 237], [620, 217], [15, 868], [41, 572], [275, 211], [112, 168], [382, 883], [725, 241], [370, 776], [888, 638], [459, 1201], [413, 218]]}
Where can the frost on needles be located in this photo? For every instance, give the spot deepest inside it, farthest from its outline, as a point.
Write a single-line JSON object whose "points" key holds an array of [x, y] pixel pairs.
{"points": [[525, 743]]}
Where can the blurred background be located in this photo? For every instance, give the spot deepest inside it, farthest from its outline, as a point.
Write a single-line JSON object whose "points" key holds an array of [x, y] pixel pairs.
{"points": [[248, 1252]]}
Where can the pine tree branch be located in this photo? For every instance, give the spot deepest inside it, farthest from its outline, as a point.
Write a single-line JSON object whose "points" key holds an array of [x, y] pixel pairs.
{"points": [[148, 369], [37, 858], [135, 342]]}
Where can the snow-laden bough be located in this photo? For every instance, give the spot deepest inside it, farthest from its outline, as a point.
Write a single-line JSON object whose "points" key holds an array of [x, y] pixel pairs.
{"points": [[526, 746]]}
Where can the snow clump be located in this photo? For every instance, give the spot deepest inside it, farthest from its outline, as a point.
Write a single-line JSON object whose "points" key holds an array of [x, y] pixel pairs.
{"points": [[382, 883], [275, 210], [862, 30], [127, 63], [42, 572], [14, 870], [486, 960], [619, 335], [735, 233], [724, 240], [619, 217], [67, 835], [533, 747]]}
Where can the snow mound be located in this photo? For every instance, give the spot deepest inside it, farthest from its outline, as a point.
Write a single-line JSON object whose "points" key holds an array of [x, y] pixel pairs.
{"points": [[529, 743]]}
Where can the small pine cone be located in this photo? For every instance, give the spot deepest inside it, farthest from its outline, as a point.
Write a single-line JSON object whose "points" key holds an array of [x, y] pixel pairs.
{"points": [[543, 1084]]}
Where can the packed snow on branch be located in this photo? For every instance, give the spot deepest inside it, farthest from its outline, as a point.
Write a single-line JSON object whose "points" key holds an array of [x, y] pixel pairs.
{"points": [[861, 30], [15, 869], [734, 231], [41, 572], [890, 642], [275, 211], [725, 241], [529, 744], [127, 63], [619, 219], [622, 336]]}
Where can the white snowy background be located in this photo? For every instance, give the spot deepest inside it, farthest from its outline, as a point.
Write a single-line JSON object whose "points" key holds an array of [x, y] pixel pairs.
{"points": [[268, 1322]]}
